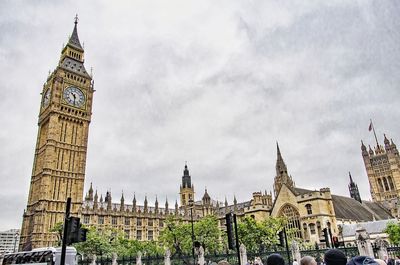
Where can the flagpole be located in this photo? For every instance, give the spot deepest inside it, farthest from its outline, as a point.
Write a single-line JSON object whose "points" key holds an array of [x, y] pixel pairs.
{"points": [[376, 139]]}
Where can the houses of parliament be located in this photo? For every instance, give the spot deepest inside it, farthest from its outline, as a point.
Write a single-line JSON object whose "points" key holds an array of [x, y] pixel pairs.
{"points": [[59, 172]]}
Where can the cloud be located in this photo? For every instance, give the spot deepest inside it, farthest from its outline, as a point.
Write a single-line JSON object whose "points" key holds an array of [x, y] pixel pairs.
{"points": [[214, 84]]}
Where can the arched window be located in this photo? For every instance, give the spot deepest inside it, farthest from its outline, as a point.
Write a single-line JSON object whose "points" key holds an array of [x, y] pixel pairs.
{"points": [[293, 218], [391, 182], [380, 184], [305, 231], [386, 184], [319, 228], [312, 228], [308, 207]]}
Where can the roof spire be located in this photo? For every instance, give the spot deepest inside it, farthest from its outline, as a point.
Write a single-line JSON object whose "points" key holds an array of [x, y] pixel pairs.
{"points": [[74, 39]]}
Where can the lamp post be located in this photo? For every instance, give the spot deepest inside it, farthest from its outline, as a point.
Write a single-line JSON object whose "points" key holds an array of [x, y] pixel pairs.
{"points": [[191, 204], [15, 240]]}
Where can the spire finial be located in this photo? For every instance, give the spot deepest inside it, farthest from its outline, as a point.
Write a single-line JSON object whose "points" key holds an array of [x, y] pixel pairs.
{"points": [[76, 19]]}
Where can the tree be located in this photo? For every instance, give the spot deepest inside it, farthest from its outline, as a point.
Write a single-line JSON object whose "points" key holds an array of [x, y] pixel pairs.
{"points": [[393, 231], [177, 235], [58, 228], [255, 234]]}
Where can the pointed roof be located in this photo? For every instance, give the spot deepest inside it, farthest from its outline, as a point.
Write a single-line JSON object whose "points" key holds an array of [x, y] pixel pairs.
{"points": [[351, 179], [74, 39], [280, 164]]}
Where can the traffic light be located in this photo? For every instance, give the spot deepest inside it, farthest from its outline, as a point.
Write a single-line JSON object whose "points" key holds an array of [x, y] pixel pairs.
{"points": [[82, 234], [76, 233], [229, 230], [73, 230], [281, 238], [325, 234]]}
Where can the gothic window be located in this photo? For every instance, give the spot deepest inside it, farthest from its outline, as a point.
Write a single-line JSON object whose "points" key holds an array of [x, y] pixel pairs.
{"points": [[101, 220], [126, 234], [308, 207], [386, 184], [114, 220], [150, 222], [86, 219], [312, 229], [160, 223], [293, 218], [390, 182], [139, 222], [139, 235], [305, 231], [150, 235], [127, 221], [319, 228], [380, 184]]}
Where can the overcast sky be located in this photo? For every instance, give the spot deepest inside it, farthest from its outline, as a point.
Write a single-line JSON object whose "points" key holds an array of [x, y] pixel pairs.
{"points": [[214, 83]]}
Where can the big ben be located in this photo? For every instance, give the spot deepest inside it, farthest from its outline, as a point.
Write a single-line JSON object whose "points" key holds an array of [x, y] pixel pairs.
{"points": [[61, 146]]}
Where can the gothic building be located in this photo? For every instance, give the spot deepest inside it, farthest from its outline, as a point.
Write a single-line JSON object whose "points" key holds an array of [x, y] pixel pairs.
{"points": [[382, 164], [60, 155], [59, 172]]}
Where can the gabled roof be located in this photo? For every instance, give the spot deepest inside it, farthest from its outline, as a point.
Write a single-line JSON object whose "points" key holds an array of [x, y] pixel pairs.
{"points": [[349, 208]]}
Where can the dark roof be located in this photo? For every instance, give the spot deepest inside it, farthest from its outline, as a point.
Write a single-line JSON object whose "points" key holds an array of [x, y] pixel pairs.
{"points": [[349, 208], [300, 191], [75, 66], [74, 39]]}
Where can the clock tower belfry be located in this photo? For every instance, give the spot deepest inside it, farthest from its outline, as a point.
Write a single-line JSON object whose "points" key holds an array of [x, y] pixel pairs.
{"points": [[61, 146]]}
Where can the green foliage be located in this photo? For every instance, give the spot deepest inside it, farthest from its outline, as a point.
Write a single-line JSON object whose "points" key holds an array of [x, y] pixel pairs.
{"points": [[177, 235], [393, 231], [58, 228], [255, 234]]}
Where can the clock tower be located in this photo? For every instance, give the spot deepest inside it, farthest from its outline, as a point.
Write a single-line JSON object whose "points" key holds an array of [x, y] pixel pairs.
{"points": [[60, 155]]}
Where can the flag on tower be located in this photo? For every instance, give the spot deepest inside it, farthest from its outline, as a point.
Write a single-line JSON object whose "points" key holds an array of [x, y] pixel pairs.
{"points": [[370, 127]]}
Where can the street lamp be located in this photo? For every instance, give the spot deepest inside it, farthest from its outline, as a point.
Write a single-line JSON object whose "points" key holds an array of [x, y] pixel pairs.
{"points": [[15, 240], [191, 204]]}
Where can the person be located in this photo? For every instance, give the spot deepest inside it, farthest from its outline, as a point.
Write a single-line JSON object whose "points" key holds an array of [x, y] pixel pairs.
{"points": [[308, 260], [389, 261], [334, 257], [364, 260], [275, 259], [295, 262]]}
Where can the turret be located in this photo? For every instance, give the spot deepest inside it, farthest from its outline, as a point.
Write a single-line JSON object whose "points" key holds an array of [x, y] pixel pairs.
{"points": [[206, 198], [90, 195], [186, 188], [282, 176], [95, 203], [176, 207], [363, 149], [108, 200], [122, 206], [156, 206], [145, 209], [166, 206], [134, 203], [353, 189]]}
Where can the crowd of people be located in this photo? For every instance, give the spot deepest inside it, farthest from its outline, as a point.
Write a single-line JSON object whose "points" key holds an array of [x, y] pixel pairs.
{"points": [[331, 257]]}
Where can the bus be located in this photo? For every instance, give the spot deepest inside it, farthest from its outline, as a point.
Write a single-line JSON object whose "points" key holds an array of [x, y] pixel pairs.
{"points": [[41, 256]]}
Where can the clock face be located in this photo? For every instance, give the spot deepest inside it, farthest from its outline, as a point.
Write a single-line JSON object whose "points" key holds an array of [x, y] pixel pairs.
{"points": [[74, 96], [46, 98]]}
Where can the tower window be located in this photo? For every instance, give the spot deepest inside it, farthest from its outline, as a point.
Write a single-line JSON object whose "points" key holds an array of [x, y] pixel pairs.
{"points": [[101, 220], [139, 235], [114, 220], [390, 182], [386, 184], [139, 222], [309, 209]]}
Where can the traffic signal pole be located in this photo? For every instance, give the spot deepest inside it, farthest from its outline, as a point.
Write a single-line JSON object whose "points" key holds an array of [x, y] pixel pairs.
{"points": [[65, 233], [237, 239]]}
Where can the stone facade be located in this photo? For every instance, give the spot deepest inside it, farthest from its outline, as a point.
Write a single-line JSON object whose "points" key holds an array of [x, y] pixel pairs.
{"points": [[383, 169], [60, 155]]}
